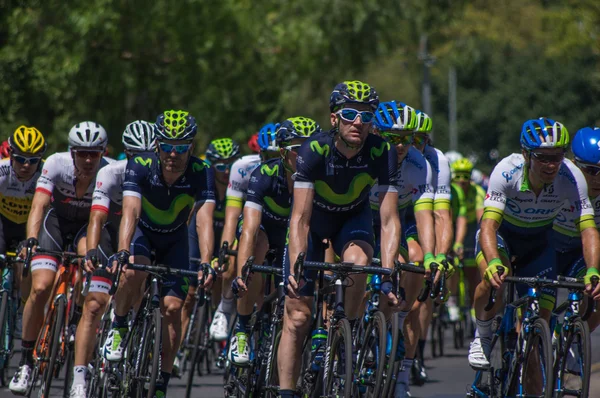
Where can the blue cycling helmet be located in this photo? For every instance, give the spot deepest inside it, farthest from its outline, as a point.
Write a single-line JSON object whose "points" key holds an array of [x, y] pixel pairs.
{"points": [[586, 145], [395, 116], [544, 133], [267, 137]]}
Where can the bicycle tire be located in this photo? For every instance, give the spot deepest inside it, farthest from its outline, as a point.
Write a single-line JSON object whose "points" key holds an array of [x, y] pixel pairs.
{"points": [[270, 389], [96, 384], [539, 330], [373, 339], [440, 336], [393, 363], [580, 332], [70, 358], [156, 348], [5, 332], [58, 325], [196, 355], [341, 348]]}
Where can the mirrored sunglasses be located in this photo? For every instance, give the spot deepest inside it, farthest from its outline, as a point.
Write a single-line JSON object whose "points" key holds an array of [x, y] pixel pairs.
{"points": [[396, 139], [24, 159], [179, 149], [548, 158], [350, 115]]}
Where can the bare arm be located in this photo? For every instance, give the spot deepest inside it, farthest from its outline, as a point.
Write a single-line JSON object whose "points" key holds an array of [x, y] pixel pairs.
{"points": [[390, 228], [204, 228], [94, 230], [425, 230], [132, 209], [232, 214], [252, 219], [461, 229], [299, 224], [41, 202], [590, 240], [443, 231]]}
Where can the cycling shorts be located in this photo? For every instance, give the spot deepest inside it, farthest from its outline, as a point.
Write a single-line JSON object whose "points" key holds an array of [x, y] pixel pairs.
{"points": [[403, 249], [56, 234], [570, 262], [102, 280], [276, 235], [11, 234], [533, 256], [170, 249], [340, 229]]}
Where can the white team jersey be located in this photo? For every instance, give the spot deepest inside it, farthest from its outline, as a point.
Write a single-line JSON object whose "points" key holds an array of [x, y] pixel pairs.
{"points": [[509, 197], [441, 173], [239, 178], [15, 195], [414, 182], [58, 179], [565, 221], [109, 186]]}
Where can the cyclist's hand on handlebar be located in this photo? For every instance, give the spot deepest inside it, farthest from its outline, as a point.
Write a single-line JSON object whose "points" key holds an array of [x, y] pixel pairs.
{"points": [[491, 273], [459, 249], [427, 261], [214, 263], [393, 301], [293, 287], [238, 287], [91, 260], [122, 258], [23, 245], [590, 289], [210, 276]]}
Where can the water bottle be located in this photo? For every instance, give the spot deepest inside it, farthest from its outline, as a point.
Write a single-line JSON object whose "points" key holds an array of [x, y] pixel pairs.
{"points": [[317, 348]]}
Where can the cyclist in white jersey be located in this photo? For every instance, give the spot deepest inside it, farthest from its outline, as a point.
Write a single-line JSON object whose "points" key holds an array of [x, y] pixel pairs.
{"points": [[102, 242], [525, 194], [60, 209], [239, 180], [396, 123]]}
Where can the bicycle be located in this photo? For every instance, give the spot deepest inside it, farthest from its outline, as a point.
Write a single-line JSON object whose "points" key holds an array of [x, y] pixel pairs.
{"points": [[335, 370], [574, 339], [511, 351], [9, 304]]}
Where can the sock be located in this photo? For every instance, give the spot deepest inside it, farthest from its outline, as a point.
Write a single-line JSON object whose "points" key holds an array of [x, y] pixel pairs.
{"points": [[422, 349], [243, 323], [287, 393], [79, 373], [451, 301], [404, 372], [162, 387], [27, 352], [484, 329], [120, 322], [226, 306], [401, 317]]}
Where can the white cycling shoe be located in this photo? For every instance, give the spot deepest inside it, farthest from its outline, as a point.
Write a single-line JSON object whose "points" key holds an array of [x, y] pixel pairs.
{"points": [[477, 358], [21, 381], [219, 328]]}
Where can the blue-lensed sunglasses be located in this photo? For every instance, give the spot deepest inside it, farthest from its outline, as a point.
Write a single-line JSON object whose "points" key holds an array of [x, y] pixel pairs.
{"points": [[350, 115], [222, 167], [179, 149]]}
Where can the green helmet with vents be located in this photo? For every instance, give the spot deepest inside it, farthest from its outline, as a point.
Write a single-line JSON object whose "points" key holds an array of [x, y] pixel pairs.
{"points": [[175, 125], [353, 92], [296, 127], [222, 149], [462, 165], [424, 124]]}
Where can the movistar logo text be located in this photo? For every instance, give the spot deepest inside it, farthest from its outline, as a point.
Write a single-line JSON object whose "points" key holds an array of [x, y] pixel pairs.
{"points": [[265, 169], [144, 162], [377, 152], [321, 150], [355, 188], [198, 166], [167, 217]]}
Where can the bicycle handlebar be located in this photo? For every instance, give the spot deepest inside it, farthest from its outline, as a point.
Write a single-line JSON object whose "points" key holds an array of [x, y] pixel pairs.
{"points": [[222, 262]]}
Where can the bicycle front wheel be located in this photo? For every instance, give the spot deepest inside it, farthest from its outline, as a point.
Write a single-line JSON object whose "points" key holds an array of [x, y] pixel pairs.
{"points": [[58, 324], [198, 347], [338, 372], [536, 376], [148, 367], [372, 356], [574, 361]]}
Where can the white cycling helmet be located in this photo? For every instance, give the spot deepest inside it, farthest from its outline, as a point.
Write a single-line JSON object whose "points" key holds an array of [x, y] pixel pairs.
{"points": [[453, 156], [139, 136], [88, 135]]}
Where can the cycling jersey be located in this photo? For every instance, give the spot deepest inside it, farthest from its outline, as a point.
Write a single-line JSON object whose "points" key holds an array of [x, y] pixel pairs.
{"points": [[108, 193], [467, 205], [58, 179], [268, 192], [15, 195], [567, 235], [165, 208], [239, 179], [343, 184], [441, 177]]}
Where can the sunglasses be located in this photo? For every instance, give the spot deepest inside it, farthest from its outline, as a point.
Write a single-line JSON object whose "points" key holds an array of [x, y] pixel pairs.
{"points": [[222, 167], [179, 149], [589, 169], [88, 154], [547, 158], [419, 140], [24, 159], [350, 115], [396, 139], [462, 176]]}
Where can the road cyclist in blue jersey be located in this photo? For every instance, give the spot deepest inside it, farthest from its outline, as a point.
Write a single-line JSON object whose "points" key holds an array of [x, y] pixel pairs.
{"points": [[334, 175]]}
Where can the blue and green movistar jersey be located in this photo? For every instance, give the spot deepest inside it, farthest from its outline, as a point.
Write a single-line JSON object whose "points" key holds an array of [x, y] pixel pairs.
{"points": [[268, 192], [167, 207], [343, 184], [467, 205]]}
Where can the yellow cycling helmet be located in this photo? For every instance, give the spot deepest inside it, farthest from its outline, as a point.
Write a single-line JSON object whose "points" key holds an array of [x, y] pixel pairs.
{"points": [[27, 140], [462, 165]]}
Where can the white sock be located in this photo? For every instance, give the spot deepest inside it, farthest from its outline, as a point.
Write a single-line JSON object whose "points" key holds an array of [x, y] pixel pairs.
{"points": [[484, 329], [451, 301], [79, 373], [401, 317], [227, 306]]}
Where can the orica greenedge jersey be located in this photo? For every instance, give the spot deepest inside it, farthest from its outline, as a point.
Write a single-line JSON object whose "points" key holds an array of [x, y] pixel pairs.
{"points": [[467, 205], [567, 234], [415, 186], [441, 179], [268, 192], [342, 184], [166, 208], [511, 202], [239, 179]]}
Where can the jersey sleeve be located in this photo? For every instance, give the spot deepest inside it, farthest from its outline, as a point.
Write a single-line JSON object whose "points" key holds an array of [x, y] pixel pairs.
{"points": [[388, 169], [50, 172], [442, 190], [238, 184], [102, 190], [135, 175], [495, 199], [206, 182], [257, 190], [311, 156], [578, 197], [422, 192], [479, 198]]}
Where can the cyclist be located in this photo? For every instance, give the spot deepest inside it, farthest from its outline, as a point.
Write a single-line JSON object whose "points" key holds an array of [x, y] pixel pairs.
{"points": [[396, 122], [422, 312], [60, 208], [221, 154], [334, 174], [467, 209], [160, 191], [269, 194], [235, 196], [525, 194], [101, 242]]}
